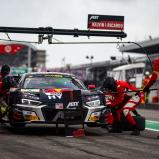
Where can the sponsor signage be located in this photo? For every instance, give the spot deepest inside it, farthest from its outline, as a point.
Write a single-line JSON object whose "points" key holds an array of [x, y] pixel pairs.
{"points": [[59, 106], [105, 22], [10, 48]]}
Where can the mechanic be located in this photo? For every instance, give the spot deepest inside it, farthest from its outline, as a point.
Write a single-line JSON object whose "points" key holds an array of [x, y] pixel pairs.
{"points": [[5, 83], [144, 83], [122, 97]]}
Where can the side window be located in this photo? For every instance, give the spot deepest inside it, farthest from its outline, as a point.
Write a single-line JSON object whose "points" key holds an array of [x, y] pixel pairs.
{"points": [[130, 74], [139, 70], [117, 75]]}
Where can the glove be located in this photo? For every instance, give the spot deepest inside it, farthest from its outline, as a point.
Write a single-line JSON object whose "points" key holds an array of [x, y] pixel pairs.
{"points": [[146, 89]]}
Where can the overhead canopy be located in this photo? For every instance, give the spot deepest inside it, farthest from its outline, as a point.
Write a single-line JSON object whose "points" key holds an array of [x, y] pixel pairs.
{"points": [[151, 46]]}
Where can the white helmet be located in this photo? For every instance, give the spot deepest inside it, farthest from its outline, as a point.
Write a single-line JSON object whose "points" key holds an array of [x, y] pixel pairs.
{"points": [[147, 73]]}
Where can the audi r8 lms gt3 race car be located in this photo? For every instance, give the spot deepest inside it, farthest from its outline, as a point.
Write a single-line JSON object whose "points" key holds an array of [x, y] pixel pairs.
{"points": [[46, 97]]}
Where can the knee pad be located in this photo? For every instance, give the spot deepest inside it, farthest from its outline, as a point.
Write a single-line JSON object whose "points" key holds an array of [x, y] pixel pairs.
{"points": [[125, 112]]}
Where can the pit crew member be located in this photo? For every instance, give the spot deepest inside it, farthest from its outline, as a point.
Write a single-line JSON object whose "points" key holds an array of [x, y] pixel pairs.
{"points": [[122, 97]]}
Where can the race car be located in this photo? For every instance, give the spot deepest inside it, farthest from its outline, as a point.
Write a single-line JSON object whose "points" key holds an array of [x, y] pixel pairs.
{"points": [[50, 97]]}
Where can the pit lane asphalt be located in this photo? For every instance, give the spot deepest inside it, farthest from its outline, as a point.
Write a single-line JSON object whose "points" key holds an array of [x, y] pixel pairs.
{"points": [[41, 142]]}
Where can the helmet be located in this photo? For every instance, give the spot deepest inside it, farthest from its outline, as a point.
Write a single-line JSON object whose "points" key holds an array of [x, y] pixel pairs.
{"points": [[5, 69], [109, 84], [147, 73]]}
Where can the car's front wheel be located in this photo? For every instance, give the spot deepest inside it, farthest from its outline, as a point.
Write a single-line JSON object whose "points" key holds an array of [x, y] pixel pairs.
{"points": [[16, 119]]}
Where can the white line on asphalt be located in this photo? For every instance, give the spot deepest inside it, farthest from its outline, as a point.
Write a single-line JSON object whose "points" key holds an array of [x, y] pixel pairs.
{"points": [[152, 129], [153, 121]]}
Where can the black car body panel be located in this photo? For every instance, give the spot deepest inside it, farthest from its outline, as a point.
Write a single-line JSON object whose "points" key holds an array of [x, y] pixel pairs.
{"points": [[45, 97]]}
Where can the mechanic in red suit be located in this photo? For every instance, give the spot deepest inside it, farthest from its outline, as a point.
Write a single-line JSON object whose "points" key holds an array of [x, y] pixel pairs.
{"points": [[122, 97], [5, 83]]}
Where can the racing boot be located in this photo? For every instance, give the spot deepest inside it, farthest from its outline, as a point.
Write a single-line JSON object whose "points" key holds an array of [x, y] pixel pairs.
{"points": [[1, 120], [136, 131], [116, 128]]}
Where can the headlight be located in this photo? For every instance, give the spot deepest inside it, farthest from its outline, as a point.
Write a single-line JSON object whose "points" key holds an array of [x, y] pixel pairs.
{"points": [[30, 116], [30, 96], [30, 99], [92, 101], [91, 98], [30, 102]]}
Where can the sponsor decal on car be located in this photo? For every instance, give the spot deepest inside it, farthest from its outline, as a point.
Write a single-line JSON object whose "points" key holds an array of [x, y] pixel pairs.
{"points": [[53, 90], [59, 106], [30, 90], [54, 95], [53, 75], [72, 105]]}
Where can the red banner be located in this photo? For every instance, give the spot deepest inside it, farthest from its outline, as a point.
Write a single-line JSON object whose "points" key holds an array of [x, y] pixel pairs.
{"points": [[10, 48]]}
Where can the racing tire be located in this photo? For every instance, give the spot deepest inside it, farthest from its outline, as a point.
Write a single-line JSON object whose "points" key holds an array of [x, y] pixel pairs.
{"points": [[15, 123]]}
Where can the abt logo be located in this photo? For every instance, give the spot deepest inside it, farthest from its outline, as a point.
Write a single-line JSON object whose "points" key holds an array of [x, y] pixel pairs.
{"points": [[72, 105], [94, 17]]}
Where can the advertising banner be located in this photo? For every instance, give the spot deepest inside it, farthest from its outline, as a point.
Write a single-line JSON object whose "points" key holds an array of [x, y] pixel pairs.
{"points": [[105, 22], [19, 70], [10, 48]]}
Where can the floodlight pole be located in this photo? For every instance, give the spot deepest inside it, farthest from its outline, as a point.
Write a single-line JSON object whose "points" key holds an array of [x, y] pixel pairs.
{"points": [[29, 58]]}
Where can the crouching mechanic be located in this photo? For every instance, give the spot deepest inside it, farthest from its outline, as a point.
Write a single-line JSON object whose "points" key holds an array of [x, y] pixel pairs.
{"points": [[6, 82], [122, 97]]}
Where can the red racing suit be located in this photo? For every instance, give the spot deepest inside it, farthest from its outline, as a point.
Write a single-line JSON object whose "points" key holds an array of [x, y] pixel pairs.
{"points": [[5, 83], [3, 104], [1, 85], [123, 100], [154, 75]]}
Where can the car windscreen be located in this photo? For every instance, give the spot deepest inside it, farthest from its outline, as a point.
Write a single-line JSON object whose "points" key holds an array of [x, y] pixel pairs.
{"points": [[52, 82]]}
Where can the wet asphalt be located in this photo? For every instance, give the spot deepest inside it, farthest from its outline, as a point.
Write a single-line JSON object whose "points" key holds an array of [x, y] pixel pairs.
{"points": [[44, 142]]}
